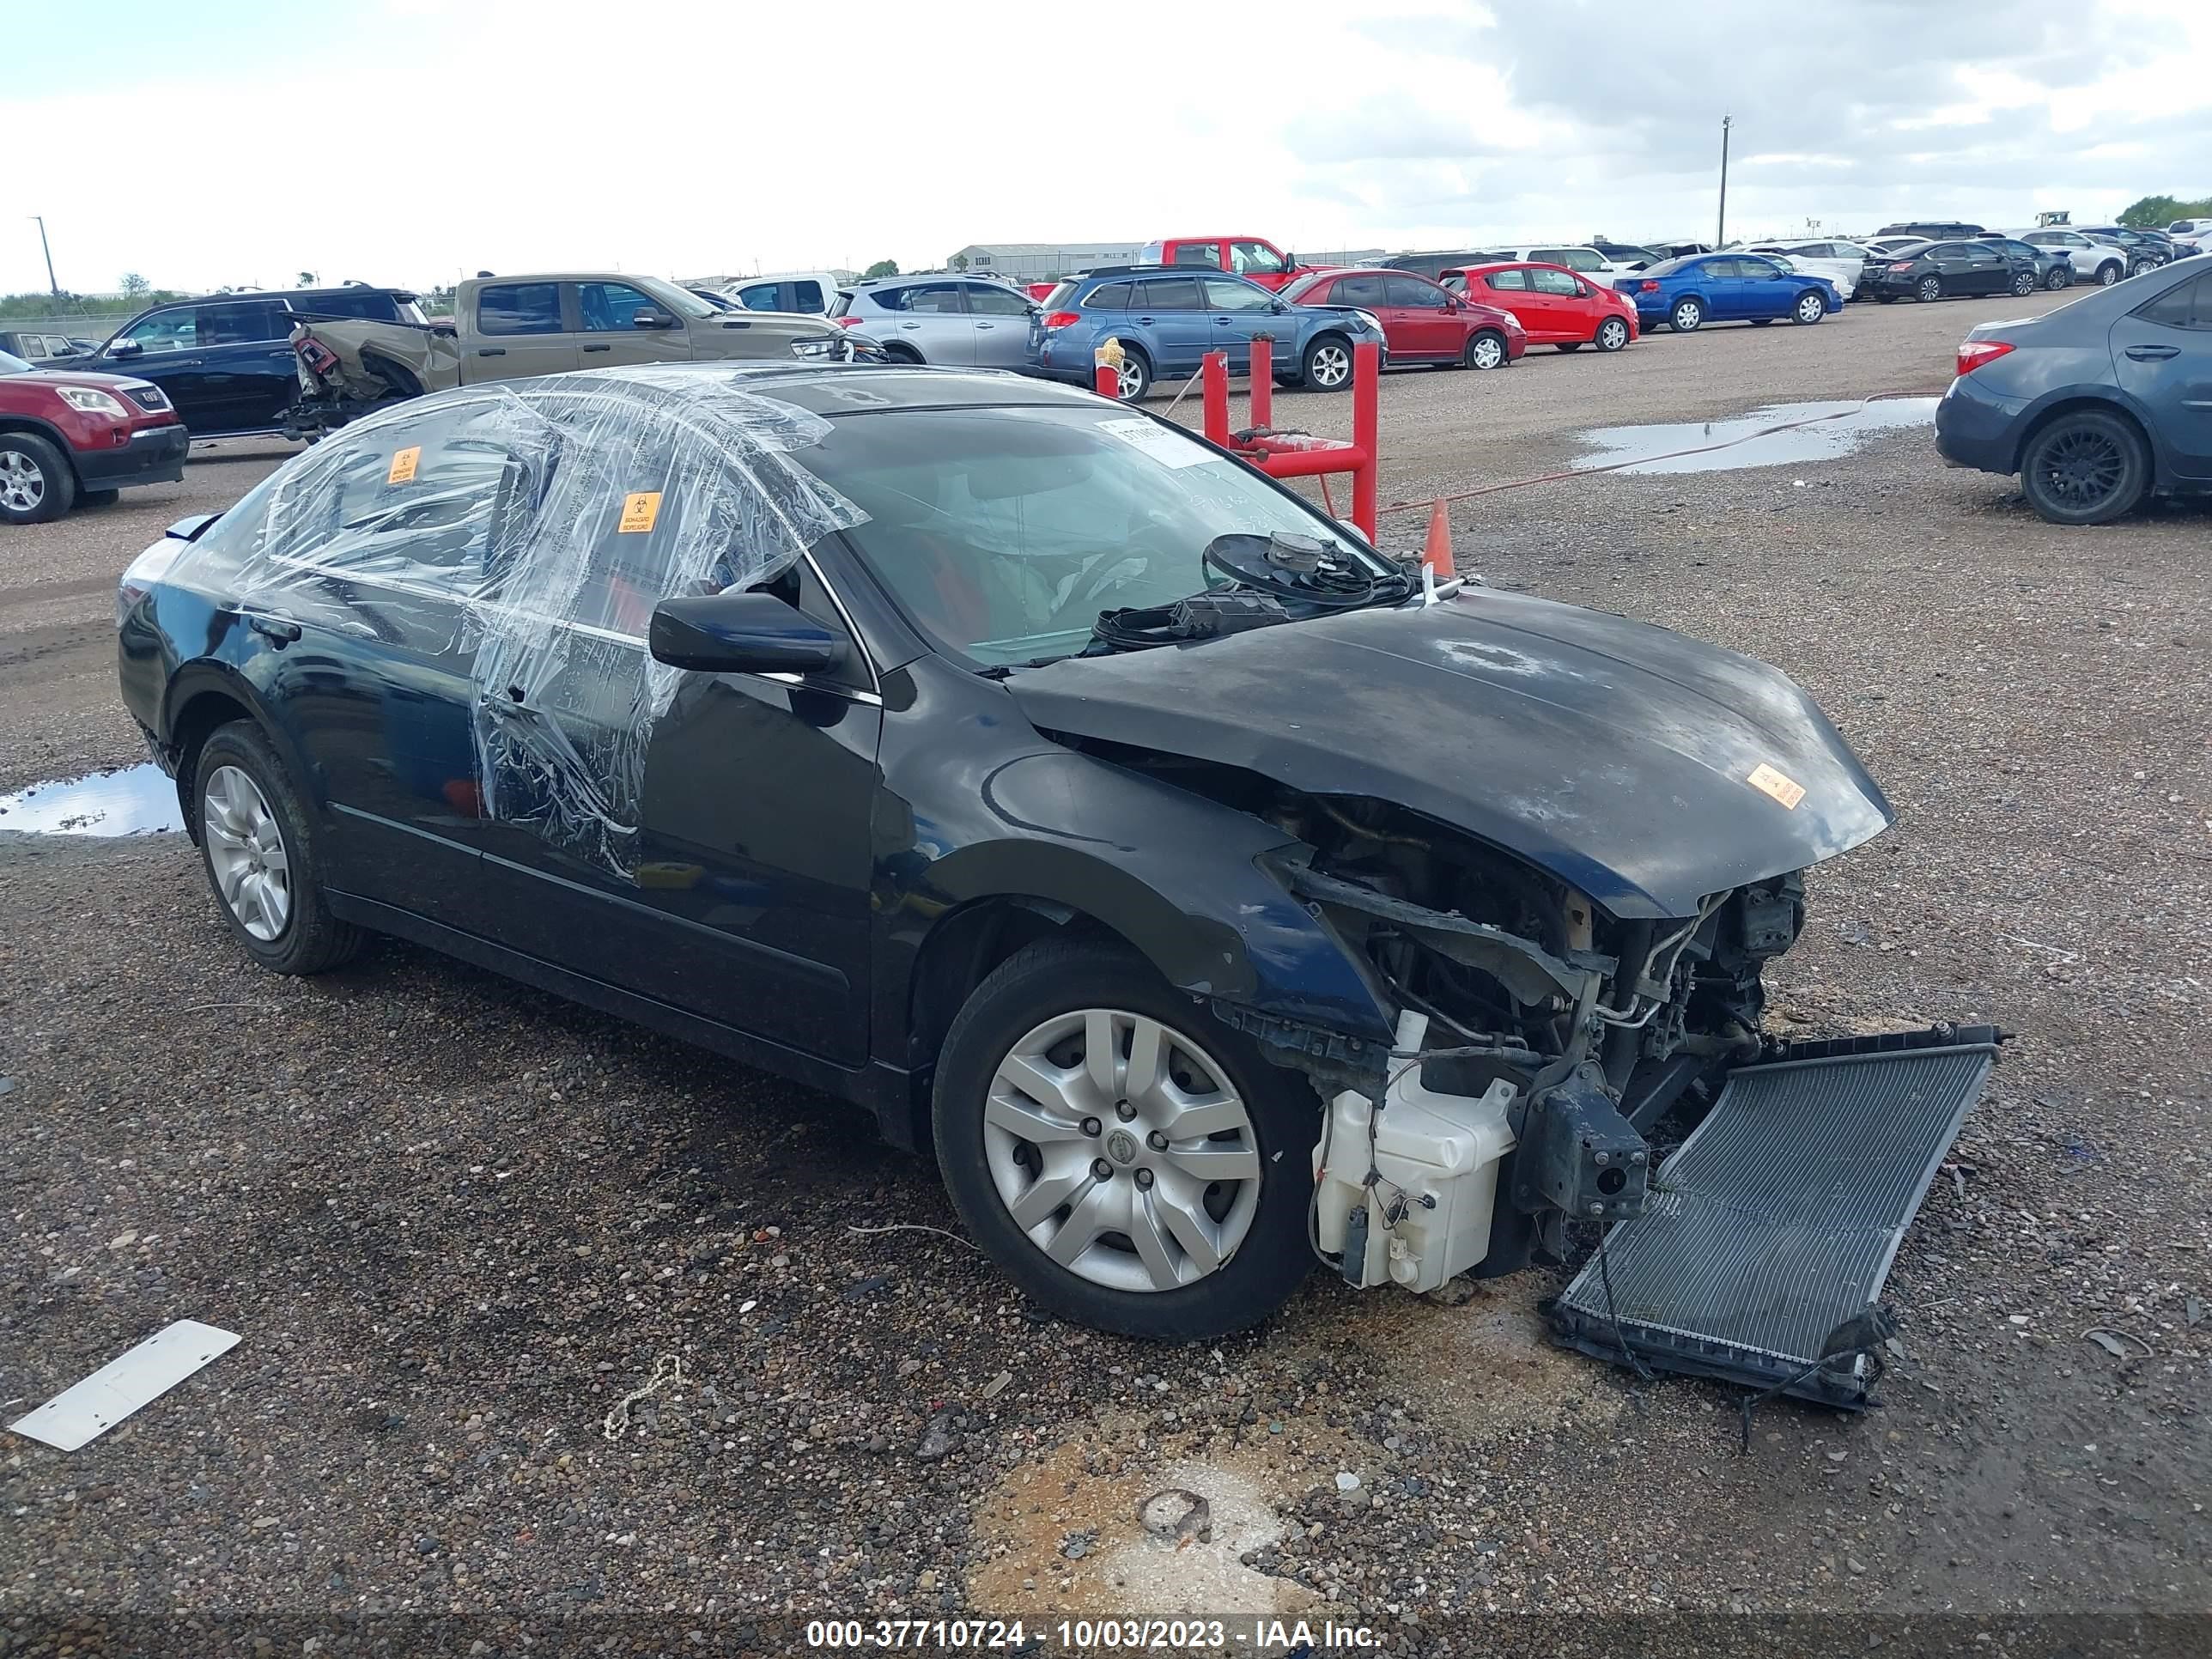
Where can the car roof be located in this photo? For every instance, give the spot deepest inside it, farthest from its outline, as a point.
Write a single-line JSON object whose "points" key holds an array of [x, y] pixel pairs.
{"points": [[831, 388]]}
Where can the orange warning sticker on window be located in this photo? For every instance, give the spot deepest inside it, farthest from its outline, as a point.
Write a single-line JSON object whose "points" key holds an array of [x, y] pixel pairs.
{"points": [[403, 463], [1780, 785], [640, 510]]}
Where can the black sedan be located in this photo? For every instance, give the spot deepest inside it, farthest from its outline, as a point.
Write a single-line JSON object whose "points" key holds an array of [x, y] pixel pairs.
{"points": [[2096, 405], [1081, 803], [2053, 269], [1944, 271]]}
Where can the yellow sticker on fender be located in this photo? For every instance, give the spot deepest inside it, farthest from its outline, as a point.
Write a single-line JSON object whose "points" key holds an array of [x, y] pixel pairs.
{"points": [[403, 462], [640, 510], [1780, 785]]}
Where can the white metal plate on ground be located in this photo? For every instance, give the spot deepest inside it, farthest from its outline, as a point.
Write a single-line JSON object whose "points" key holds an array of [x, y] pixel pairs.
{"points": [[84, 1410]]}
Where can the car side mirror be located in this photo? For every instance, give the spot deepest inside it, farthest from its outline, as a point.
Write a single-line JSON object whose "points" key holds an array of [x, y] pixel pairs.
{"points": [[740, 633], [126, 349], [651, 318]]}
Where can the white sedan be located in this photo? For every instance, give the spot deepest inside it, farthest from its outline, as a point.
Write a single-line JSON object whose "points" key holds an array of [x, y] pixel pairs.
{"points": [[1843, 263]]}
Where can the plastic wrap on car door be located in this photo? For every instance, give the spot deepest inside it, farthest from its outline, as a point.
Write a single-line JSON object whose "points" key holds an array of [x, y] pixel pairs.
{"points": [[567, 508]]}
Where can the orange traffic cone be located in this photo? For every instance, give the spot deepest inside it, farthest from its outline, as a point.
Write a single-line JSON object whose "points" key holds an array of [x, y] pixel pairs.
{"points": [[1435, 552]]}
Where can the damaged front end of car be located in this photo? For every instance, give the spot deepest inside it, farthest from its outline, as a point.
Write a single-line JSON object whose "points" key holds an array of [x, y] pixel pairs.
{"points": [[1560, 849]]}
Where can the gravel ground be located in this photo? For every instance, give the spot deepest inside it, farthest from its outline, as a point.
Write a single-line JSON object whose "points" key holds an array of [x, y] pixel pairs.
{"points": [[457, 1222]]}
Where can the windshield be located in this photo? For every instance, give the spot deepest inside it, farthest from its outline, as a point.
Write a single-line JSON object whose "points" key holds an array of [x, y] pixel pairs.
{"points": [[11, 364], [1004, 532]]}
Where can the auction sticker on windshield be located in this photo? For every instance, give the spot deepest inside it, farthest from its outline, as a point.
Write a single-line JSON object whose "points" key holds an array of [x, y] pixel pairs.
{"points": [[1163, 444]]}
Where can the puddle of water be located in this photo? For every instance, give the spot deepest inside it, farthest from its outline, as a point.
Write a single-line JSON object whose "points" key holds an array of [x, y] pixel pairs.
{"points": [[138, 801], [1823, 441]]}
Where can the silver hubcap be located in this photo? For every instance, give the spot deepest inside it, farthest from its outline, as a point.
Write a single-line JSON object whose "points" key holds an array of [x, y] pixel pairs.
{"points": [[1686, 316], [245, 850], [1930, 288], [22, 481], [1118, 1145], [1129, 380], [1488, 354], [1331, 366], [1811, 308]]}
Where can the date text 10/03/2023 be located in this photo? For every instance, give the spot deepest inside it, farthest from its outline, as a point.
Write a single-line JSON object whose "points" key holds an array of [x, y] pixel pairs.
{"points": [[1286, 1637]]}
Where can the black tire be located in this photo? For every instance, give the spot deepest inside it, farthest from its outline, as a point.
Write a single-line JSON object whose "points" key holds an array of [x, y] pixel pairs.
{"points": [[1688, 315], [2085, 468], [1136, 374], [37, 482], [1056, 977], [1326, 364], [1612, 335], [98, 497], [311, 939], [1809, 307], [1486, 350], [1929, 289], [2023, 282], [1569, 345]]}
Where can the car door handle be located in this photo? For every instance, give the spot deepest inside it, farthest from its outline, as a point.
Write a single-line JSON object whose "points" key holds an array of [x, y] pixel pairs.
{"points": [[987, 326], [1146, 321], [282, 633], [491, 351], [909, 325], [2151, 354], [608, 347]]}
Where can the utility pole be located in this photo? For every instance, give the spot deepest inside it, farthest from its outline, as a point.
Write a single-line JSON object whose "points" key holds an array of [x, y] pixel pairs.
{"points": [[54, 287], [1719, 230]]}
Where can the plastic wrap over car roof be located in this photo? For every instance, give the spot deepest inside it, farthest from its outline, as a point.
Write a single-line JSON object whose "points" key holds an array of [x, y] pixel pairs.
{"points": [[531, 529]]}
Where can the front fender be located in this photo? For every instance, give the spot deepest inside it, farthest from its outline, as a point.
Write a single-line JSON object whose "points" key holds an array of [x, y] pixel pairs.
{"points": [[1177, 875]]}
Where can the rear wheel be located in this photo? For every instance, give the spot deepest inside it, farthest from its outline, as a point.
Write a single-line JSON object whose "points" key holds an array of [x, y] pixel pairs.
{"points": [[1687, 316], [1930, 289], [2085, 468], [1326, 366], [1132, 1163], [36, 482], [1134, 377], [1811, 306], [1486, 350], [1612, 334], [261, 858]]}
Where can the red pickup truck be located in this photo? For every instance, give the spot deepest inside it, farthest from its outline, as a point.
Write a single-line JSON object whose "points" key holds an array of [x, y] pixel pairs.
{"points": [[1254, 258]]}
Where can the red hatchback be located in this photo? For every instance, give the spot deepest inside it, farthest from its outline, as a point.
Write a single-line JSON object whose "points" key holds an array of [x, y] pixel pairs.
{"points": [[1557, 307], [66, 437], [1421, 322]]}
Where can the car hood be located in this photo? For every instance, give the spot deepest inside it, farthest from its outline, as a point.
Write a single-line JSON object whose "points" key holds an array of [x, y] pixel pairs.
{"points": [[60, 377], [1648, 770]]}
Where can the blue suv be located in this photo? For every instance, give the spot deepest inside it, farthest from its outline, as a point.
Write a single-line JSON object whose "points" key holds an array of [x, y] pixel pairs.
{"points": [[1168, 317]]}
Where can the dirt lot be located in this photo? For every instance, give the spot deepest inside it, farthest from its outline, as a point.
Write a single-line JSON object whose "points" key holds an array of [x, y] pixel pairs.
{"points": [[457, 1221]]}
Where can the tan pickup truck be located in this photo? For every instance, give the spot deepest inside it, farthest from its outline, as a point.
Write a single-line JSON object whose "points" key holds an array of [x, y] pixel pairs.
{"points": [[508, 328]]}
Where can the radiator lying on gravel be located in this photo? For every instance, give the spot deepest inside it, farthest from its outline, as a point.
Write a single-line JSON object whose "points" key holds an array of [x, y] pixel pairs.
{"points": [[1777, 1221]]}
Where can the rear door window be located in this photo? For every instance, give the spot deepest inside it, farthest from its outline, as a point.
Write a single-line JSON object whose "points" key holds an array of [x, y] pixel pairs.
{"points": [[1411, 293], [519, 308], [1198, 254], [1508, 282], [1168, 293], [2185, 305], [1367, 291], [934, 299], [244, 323]]}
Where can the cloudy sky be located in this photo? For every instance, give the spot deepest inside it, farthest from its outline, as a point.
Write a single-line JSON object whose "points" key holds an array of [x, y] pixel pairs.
{"points": [[410, 141]]}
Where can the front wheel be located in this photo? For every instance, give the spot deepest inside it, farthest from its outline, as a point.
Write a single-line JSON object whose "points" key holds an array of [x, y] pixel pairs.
{"points": [[2107, 275], [1811, 306], [1930, 290], [1687, 316], [1612, 334], [36, 483], [2062, 277], [261, 857], [1326, 366], [2087, 468], [1486, 350], [1132, 1164], [2023, 281]]}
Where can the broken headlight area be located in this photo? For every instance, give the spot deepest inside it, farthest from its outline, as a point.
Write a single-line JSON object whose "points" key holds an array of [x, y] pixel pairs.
{"points": [[1539, 1040]]}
